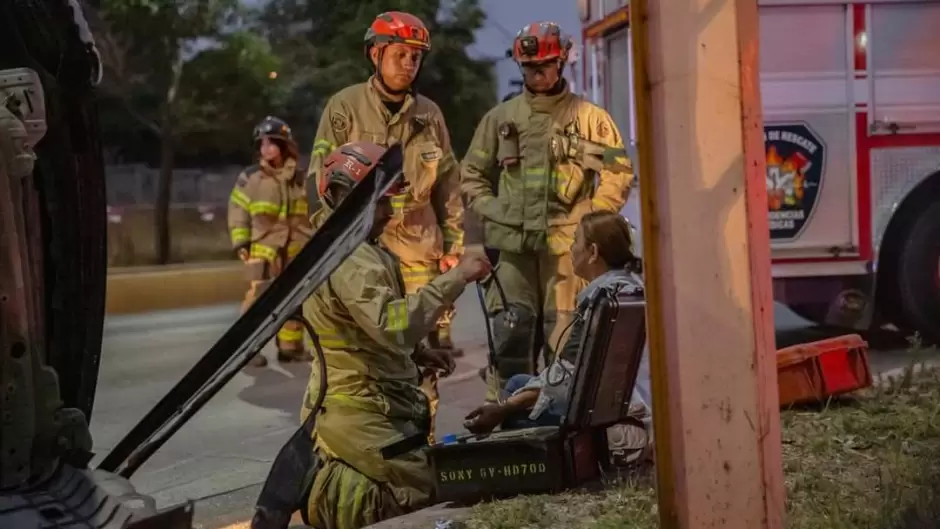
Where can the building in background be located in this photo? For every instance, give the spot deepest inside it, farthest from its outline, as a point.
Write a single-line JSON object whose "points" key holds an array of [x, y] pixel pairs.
{"points": [[605, 74], [607, 59]]}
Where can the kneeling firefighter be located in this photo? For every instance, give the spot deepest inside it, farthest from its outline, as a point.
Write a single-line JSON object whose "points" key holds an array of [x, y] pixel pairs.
{"points": [[372, 426], [269, 224]]}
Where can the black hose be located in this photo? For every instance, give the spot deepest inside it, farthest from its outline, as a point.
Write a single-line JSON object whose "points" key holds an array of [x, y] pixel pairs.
{"points": [[499, 288], [490, 342], [290, 480], [321, 360]]}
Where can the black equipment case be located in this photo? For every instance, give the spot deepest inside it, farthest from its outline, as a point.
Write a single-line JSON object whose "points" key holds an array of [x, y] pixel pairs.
{"points": [[553, 458]]}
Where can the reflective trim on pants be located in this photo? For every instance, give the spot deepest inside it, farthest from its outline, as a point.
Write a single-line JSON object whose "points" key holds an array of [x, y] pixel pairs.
{"points": [[342, 498], [290, 337]]}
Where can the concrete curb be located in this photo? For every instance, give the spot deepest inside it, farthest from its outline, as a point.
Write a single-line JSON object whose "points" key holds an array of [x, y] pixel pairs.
{"points": [[134, 291], [885, 377]]}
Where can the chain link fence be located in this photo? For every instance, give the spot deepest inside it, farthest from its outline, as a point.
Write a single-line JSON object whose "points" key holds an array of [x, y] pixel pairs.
{"points": [[132, 186], [199, 200]]}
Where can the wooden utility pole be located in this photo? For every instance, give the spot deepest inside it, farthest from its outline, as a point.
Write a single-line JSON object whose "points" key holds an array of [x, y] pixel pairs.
{"points": [[707, 251]]}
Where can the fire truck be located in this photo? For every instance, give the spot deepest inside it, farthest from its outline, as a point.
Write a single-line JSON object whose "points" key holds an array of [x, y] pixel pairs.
{"points": [[851, 101]]}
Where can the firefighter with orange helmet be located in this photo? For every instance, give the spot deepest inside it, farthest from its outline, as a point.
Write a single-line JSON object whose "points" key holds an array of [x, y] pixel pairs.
{"points": [[551, 150], [269, 223], [426, 232], [374, 421]]}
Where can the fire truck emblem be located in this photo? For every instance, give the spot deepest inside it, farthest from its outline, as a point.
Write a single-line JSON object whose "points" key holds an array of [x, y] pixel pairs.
{"points": [[795, 159]]}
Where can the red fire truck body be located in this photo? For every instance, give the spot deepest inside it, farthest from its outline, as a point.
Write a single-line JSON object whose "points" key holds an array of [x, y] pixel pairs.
{"points": [[851, 99]]}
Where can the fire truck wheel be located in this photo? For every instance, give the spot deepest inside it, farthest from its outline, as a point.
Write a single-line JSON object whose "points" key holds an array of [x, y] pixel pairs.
{"points": [[918, 275]]}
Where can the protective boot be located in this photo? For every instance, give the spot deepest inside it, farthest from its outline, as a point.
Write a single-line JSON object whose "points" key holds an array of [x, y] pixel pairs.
{"points": [[292, 349], [258, 361], [514, 332], [441, 340], [287, 356]]}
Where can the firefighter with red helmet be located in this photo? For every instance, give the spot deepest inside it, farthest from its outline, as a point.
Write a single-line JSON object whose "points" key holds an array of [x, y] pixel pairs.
{"points": [[543, 146], [269, 223], [374, 421], [425, 232]]}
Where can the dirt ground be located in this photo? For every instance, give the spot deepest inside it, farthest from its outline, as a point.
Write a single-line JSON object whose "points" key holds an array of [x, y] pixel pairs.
{"points": [[860, 463], [196, 235]]}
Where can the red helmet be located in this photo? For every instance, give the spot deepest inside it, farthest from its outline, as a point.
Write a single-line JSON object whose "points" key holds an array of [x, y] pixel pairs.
{"points": [[540, 42], [396, 27], [350, 163]]}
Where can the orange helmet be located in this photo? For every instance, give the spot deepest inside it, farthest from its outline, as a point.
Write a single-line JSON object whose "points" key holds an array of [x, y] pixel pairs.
{"points": [[540, 42], [396, 27], [349, 164]]}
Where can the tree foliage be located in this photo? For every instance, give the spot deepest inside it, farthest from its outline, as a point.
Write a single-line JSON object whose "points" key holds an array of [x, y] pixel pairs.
{"points": [[322, 42], [225, 53], [191, 71], [186, 80], [183, 71]]}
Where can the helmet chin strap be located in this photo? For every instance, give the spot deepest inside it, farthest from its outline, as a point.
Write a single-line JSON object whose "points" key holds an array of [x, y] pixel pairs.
{"points": [[559, 84], [378, 76]]}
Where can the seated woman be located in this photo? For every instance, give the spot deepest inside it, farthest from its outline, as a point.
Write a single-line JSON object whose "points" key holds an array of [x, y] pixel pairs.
{"points": [[602, 254]]}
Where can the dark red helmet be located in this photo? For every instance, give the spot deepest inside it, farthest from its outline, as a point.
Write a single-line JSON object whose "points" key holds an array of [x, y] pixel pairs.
{"points": [[540, 42], [396, 27], [350, 163]]}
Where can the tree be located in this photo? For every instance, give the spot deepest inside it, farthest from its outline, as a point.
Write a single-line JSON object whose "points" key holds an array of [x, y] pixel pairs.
{"points": [[184, 70], [464, 88], [322, 42]]}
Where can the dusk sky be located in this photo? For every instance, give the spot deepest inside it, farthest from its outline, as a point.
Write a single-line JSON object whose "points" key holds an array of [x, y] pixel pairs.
{"points": [[504, 19]]}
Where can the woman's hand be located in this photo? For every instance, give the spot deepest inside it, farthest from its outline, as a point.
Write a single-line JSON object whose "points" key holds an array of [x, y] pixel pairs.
{"points": [[484, 419]]}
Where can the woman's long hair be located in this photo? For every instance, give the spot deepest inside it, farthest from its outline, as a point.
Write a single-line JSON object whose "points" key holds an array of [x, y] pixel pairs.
{"points": [[288, 149], [614, 239]]}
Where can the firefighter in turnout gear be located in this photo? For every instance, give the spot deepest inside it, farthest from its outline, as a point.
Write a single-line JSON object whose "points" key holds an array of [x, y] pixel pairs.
{"points": [[269, 223], [551, 157], [426, 232], [372, 428]]}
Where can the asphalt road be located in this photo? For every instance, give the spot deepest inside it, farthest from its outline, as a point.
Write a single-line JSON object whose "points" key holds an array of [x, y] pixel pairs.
{"points": [[221, 456]]}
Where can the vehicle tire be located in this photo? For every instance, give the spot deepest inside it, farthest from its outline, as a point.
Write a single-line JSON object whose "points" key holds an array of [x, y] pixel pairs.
{"points": [[918, 275]]}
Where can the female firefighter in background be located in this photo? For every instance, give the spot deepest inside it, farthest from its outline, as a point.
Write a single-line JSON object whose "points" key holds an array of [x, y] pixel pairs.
{"points": [[269, 223]]}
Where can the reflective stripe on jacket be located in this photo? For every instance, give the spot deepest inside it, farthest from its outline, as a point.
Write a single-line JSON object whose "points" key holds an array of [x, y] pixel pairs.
{"points": [[268, 210], [511, 153]]}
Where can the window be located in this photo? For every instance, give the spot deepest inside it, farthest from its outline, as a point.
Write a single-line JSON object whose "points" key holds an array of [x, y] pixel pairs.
{"points": [[617, 89]]}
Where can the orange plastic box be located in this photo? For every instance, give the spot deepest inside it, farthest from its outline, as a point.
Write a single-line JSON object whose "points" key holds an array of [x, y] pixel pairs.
{"points": [[815, 371]]}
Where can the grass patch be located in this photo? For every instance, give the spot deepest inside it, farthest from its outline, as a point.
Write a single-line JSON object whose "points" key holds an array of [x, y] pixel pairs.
{"points": [[863, 463]]}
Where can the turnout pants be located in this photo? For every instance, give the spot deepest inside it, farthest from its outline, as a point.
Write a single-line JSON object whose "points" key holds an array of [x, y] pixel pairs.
{"points": [[290, 338], [357, 486], [541, 290], [416, 275]]}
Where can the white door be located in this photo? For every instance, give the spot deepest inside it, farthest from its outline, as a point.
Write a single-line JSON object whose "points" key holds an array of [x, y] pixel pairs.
{"points": [[809, 114], [619, 102]]}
